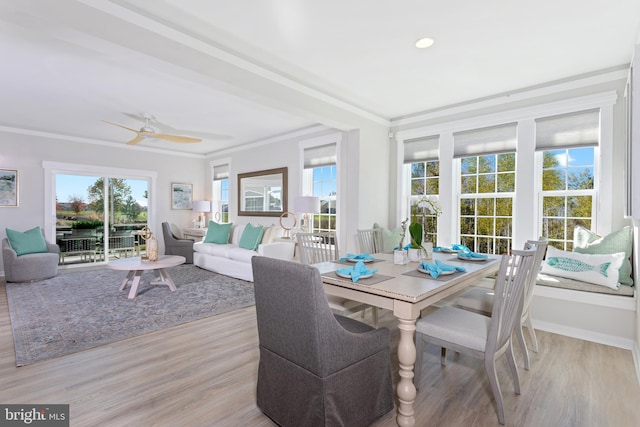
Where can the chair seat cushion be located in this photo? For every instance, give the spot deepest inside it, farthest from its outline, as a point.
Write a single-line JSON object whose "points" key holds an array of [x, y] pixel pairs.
{"points": [[456, 326]]}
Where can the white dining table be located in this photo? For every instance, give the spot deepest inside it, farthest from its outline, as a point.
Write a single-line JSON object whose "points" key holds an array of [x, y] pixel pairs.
{"points": [[405, 292]]}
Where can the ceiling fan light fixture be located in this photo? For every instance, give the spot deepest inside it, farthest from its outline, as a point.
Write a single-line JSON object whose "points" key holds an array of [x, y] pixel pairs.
{"points": [[424, 42]]}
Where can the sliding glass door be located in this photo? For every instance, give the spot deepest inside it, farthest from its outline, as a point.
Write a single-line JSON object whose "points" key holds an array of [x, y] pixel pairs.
{"points": [[98, 218]]}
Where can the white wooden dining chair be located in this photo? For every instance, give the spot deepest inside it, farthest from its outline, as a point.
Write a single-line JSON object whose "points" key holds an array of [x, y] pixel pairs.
{"points": [[480, 300], [323, 247], [370, 241], [481, 336]]}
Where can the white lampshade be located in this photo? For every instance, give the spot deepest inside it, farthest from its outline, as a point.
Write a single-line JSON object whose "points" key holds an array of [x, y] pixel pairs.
{"points": [[307, 204], [201, 206]]}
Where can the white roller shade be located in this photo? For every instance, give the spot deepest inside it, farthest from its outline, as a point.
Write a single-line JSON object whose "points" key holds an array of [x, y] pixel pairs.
{"points": [[323, 155], [220, 172], [580, 129], [491, 140], [421, 149]]}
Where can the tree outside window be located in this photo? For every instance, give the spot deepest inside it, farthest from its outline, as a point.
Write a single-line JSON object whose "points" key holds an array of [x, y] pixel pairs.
{"points": [[487, 186], [568, 194]]}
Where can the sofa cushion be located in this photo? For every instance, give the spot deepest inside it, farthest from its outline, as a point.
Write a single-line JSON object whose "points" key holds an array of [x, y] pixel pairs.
{"points": [[240, 254], [597, 269], [251, 237], [212, 249], [218, 233], [28, 242], [270, 234], [587, 242]]}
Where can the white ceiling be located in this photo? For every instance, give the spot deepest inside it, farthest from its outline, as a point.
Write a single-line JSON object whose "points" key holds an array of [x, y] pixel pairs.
{"points": [[236, 72]]}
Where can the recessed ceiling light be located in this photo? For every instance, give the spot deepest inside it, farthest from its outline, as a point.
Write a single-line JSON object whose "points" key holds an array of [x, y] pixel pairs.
{"points": [[424, 43]]}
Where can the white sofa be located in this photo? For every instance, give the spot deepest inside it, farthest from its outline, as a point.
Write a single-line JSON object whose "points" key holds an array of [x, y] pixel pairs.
{"points": [[231, 260]]}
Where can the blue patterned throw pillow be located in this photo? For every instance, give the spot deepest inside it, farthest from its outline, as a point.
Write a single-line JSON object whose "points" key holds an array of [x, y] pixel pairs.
{"points": [[597, 269]]}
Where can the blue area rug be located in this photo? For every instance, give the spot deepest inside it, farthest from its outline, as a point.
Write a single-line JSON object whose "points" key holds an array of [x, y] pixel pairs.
{"points": [[78, 310]]}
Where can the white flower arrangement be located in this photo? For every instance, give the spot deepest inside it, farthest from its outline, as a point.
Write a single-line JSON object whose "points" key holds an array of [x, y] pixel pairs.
{"points": [[429, 205]]}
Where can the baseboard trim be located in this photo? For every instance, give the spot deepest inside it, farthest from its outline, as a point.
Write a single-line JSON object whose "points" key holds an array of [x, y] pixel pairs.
{"points": [[583, 334]]}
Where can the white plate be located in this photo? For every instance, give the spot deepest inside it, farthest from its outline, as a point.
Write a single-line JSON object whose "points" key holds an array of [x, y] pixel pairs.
{"points": [[464, 258], [442, 273], [354, 260], [348, 276]]}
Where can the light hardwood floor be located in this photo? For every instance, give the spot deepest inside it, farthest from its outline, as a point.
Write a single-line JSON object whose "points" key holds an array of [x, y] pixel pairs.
{"points": [[203, 374]]}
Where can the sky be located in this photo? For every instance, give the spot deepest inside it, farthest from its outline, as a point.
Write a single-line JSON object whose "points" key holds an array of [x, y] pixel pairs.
{"points": [[77, 185]]}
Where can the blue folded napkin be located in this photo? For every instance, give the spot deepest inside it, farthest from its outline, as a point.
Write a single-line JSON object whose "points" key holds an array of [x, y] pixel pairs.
{"points": [[358, 270], [454, 247], [362, 257], [435, 270], [472, 255], [449, 267]]}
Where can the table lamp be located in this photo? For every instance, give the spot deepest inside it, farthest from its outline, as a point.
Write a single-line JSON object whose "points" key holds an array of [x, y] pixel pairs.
{"points": [[202, 207], [307, 205]]}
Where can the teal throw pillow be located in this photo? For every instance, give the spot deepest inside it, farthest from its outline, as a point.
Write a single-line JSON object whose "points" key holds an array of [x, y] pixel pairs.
{"points": [[390, 238], [587, 242], [251, 237], [28, 242], [218, 233]]}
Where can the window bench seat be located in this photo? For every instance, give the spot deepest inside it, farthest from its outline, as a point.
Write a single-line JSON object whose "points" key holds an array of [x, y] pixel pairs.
{"points": [[585, 311]]}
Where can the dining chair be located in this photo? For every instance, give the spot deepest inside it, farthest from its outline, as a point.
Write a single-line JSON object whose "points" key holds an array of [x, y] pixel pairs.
{"points": [[480, 300], [316, 368], [370, 241], [478, 335], [323, 247]]}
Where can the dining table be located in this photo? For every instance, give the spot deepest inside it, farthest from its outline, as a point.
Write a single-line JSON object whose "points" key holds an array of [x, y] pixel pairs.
{"points": [[406, 291]]}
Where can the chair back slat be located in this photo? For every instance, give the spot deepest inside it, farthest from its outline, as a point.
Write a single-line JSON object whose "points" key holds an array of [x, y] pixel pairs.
{"points": [[317, 247], [370, 241], [511, 283]]}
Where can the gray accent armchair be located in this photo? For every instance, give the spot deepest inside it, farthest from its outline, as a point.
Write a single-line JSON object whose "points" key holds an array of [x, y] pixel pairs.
{"points": [[29, 267], [173, 245], [316, 368]]}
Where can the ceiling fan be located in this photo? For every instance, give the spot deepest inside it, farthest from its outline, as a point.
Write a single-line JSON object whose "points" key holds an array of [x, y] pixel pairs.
{"points": [[147, 132]]}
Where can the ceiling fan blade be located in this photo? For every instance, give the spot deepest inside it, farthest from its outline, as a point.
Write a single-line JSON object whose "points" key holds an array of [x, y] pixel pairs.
{"points": [[176, 138], [135, 140], [124, 127]]}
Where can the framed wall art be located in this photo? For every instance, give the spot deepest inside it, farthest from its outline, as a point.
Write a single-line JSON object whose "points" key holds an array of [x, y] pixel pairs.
{"points": [[8, 188], [181, 196]]}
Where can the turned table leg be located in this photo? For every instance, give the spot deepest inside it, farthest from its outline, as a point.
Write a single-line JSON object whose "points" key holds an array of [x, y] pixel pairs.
{"points": [[407, 358]]}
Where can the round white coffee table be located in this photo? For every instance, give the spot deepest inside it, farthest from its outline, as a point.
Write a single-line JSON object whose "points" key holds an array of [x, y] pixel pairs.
{"points": [[135, 266]]}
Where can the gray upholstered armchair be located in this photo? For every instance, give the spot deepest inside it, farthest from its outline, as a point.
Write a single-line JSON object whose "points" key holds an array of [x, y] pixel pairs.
{"points": [[29, 267], [174, 245], [316, 368]]}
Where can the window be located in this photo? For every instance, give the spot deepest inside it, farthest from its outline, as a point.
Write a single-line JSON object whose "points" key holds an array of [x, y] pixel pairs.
{"points": [[487, 186], [421, 157], [221, 193], [321, 180], [324, 186], [425, 181], [568, 145]]}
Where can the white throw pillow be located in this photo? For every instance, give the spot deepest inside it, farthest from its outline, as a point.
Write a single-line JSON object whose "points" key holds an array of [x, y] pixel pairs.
{"points": [[596, 269]]}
